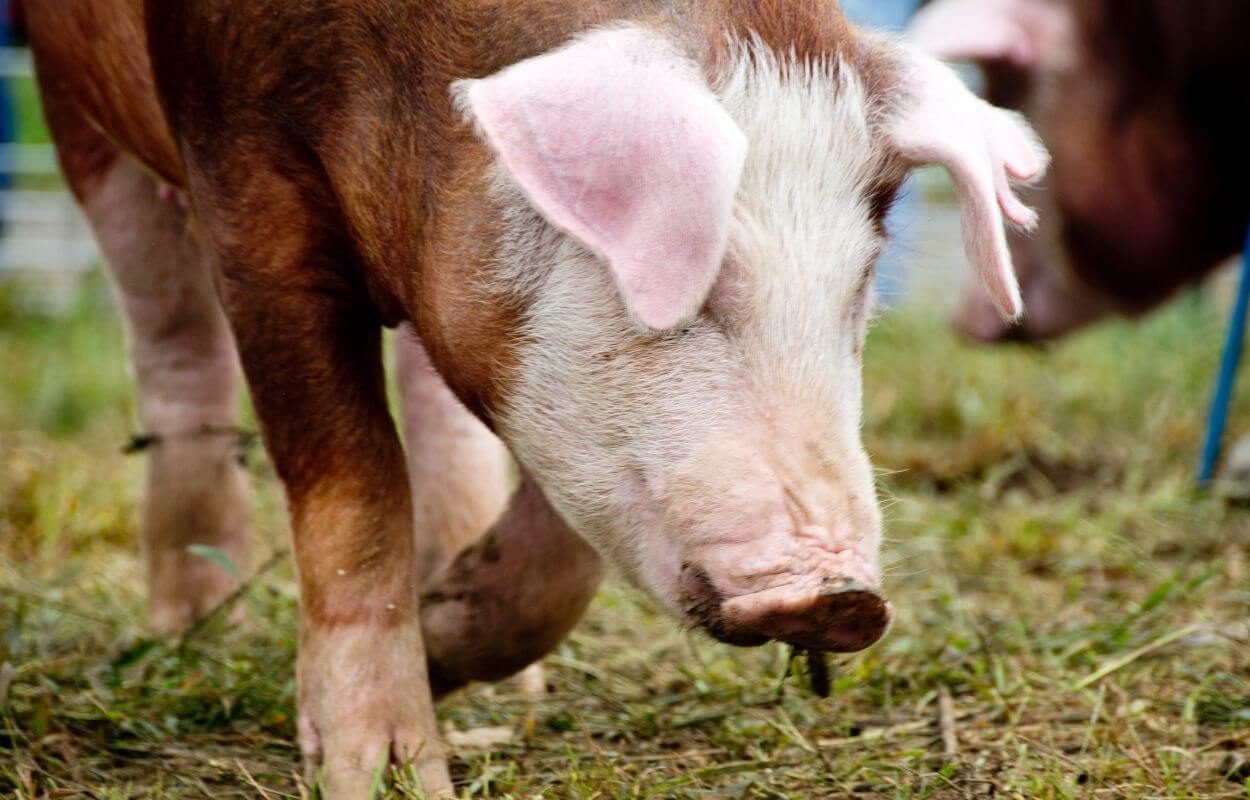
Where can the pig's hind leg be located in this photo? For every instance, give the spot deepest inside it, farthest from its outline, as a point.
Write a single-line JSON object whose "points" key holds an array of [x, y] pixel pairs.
{"points": [[460, 478], [184, 361], [457, 468], [509, 598]]}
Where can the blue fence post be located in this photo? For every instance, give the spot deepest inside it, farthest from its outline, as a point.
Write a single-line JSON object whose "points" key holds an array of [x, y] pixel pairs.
{"points": [[8, 114], [1228, 375]]}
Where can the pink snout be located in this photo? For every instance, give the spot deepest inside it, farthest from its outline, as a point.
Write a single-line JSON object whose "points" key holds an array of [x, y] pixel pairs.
{"points": [[833, 614]]}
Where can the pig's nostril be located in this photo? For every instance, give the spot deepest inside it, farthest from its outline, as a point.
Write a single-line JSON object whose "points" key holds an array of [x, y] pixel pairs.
{"points": [[837, 615], [843, 617], [857, 617]]}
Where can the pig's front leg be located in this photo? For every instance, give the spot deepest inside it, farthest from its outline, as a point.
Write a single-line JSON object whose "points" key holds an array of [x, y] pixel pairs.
{"points": [[312, 356], [510, 598], [363, 690]]}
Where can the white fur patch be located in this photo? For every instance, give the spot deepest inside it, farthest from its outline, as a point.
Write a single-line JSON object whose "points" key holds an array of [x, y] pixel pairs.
{"points": [[607, 416], [804, 236]]}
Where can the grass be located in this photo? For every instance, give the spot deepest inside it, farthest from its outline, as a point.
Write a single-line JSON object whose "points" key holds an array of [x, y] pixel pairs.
{"points": [[1071, 615], [30, 125]]}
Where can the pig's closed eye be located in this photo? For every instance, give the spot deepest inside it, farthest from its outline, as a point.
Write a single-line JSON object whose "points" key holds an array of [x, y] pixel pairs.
{"points": [[861, 305], [859, 296], [865, 280]]}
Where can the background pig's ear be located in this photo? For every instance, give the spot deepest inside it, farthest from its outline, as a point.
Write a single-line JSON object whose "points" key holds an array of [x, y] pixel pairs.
{"points": [[617, 141], [982, 147], [1021, 32]]}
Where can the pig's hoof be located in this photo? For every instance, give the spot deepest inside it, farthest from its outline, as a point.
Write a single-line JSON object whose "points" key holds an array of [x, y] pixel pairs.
{"points": [[365, 707], [354, 764], [532, 681], [837, 616], [176, 603]]}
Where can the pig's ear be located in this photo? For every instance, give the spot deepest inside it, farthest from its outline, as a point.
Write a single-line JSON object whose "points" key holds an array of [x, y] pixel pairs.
{"points": [[617, 141], [1020, 32], [939, 121]]}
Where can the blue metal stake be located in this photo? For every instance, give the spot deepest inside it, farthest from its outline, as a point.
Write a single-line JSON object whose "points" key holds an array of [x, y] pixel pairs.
{"points": [[1228, 376]]}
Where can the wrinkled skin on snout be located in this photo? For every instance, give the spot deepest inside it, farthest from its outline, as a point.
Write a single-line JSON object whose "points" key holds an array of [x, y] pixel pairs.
{"points": [[1139, 105], [735, 491], [703, 434]]}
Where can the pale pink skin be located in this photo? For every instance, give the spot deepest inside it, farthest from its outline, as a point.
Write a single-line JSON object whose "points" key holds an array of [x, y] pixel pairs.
{"points": [[721, 468], [697, 515], [458, 470], [459, 473]]}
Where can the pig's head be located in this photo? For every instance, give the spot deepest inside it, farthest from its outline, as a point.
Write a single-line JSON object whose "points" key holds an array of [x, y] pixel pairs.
{"points": [[691, 242], [1138, 102]]}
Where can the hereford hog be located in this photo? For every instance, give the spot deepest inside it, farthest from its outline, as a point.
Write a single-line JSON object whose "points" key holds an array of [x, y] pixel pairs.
{"points": [[1141, 102], [636, 241]]}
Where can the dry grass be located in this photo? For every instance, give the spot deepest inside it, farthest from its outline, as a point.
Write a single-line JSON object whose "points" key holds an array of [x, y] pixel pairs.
{"points": [[1072, 617]]}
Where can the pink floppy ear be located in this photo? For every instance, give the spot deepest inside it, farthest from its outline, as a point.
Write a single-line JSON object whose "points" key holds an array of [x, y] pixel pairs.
{"points": [[1021, 32], [618, 142], [983, 148]]}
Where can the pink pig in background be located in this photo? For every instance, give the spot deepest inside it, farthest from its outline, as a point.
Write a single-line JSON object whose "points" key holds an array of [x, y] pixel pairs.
{"points": [[1142, 103]]}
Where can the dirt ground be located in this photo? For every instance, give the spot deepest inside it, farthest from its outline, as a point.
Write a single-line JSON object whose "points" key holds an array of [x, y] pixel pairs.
{"points": [[1072, 616]]}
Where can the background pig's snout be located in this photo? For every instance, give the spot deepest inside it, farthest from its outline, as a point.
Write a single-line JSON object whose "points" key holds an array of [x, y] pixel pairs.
{"points": [[834, 615]]}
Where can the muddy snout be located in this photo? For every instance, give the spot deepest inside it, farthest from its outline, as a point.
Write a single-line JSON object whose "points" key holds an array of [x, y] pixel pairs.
{"points": [[834, 614]]}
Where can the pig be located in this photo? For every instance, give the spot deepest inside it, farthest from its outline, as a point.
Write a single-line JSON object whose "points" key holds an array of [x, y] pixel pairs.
{"points": [[1141, 103], [632, 239]]}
